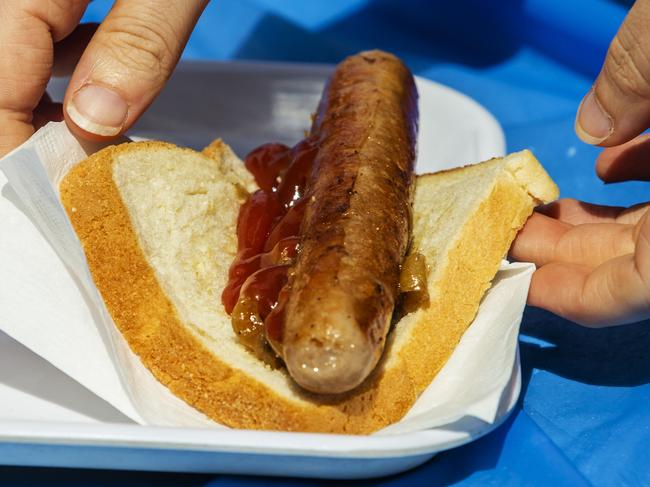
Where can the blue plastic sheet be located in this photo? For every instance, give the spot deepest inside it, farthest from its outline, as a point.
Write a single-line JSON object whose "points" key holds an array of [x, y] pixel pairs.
{"points": [[583, 417]]}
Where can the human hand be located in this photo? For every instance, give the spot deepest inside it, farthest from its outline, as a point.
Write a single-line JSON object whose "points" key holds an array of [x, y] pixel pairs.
{"points": [[117, 68], [594, 261]]}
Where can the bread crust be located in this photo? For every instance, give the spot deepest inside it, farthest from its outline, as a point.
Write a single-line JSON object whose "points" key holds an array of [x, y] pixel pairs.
{"points": [[147, 319]]}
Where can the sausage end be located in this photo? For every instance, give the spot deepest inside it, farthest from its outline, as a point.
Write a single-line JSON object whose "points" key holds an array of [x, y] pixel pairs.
{"points": [[334, 356]]}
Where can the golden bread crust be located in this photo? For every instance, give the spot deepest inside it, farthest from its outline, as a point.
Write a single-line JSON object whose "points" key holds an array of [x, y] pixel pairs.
{"points": [[147, 319]]}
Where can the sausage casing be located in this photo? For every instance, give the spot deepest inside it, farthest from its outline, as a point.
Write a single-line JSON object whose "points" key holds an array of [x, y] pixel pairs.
{"points": [[355, 232]]}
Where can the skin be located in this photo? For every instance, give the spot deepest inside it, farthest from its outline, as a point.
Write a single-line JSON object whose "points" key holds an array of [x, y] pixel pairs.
{"points": [[131, 53], [594, 261]]}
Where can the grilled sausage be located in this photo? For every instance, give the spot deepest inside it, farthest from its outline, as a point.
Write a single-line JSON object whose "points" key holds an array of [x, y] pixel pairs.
{"points": [[342, 289]]}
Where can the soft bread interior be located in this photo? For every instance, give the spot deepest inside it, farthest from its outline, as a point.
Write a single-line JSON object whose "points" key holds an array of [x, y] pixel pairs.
{"points": [[184, 212], [181, 209], [445, 208]]}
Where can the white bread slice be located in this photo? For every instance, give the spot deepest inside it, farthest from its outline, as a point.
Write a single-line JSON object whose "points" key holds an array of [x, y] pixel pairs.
{"points": [[157, 223]]}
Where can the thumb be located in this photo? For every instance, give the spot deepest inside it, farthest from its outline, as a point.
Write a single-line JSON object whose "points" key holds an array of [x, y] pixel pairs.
{"points": [[126, 64], [617, 108]]}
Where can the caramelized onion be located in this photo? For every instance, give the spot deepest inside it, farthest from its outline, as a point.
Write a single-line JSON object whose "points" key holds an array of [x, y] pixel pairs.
{"points": [[413, 284], [249, 327]]}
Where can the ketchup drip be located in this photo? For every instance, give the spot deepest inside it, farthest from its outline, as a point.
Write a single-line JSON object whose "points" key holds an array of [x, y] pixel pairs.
{"points": [[268, 228]]}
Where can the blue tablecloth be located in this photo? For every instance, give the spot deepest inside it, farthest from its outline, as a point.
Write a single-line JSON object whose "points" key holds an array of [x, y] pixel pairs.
{"points": [[583, 416]]}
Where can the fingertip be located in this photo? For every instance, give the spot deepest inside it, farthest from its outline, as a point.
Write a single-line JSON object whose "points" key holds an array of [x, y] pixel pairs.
{"points": [[537, 240], [628, 161], [603, 163], [593, 125], [556, 286], [96, 112]]}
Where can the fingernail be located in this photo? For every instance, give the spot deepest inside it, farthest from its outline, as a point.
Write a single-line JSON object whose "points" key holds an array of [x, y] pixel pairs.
{"points": [[593, 124], [98, 110]]}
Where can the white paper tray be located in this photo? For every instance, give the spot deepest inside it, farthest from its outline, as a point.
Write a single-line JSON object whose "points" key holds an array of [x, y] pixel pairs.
{"points": [[47, 419]]}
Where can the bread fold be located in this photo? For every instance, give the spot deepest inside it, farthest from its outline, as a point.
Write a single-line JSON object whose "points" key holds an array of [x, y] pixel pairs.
{"points": [[158, 226]]}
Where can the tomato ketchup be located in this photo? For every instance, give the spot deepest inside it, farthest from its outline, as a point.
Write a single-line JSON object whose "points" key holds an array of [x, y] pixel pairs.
{"points": [[268, 228]]}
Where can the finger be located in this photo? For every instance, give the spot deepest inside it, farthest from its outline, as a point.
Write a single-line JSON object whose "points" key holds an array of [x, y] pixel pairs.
{"points": [[618, 107], [614, 293], [127, 63], [68, 51], [544, 240], [28, 29], [626, 162], [576, 212]]}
